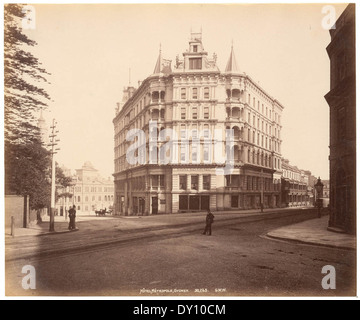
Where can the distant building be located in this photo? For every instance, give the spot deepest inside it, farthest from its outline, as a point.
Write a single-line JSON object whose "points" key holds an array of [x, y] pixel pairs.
{"points": [[326, 190], [194, 99], [89, 192], [295, 185], [342, 102]]}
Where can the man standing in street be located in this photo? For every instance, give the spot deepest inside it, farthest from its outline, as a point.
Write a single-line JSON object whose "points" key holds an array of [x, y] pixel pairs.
{"points": [[209, 221], [72, 216]]}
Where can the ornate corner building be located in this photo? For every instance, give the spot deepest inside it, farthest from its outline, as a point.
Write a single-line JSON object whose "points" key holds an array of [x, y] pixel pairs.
{"points": [[342, 102], [194, 100]]}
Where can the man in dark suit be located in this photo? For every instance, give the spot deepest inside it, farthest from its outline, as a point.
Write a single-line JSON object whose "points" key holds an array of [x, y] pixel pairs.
{"points": [[72, 216], [209, 221]]}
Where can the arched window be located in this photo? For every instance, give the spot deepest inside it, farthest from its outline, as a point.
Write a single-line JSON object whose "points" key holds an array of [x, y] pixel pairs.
{"points": [[236, 133]]}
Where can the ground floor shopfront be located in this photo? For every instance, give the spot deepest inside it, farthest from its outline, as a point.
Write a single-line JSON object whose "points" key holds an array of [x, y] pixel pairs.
{"points": [[159, 203], [158, 190]]}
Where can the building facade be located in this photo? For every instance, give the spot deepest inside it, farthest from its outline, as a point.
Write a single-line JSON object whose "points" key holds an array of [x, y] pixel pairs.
{"points": [[89, 192], [295, 186], [203, 120], [342, 102]]}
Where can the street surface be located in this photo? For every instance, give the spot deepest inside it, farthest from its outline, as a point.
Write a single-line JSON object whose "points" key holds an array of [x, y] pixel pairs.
{"points": [[133, 256]]}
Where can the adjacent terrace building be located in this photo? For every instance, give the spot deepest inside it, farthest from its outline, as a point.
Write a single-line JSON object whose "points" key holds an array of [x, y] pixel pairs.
{"points": [[295, 186], [214, 120]]}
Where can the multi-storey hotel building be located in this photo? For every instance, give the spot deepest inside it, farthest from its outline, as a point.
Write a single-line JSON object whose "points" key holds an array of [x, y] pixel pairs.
{"points": [[183, 112]]}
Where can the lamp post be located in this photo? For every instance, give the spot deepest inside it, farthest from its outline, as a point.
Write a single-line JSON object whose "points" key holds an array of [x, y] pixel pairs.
{"points": [[319, 186]]}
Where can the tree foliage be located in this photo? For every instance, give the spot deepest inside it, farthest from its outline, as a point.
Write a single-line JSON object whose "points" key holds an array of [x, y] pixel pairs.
{"points": [[22, 74], [27, 162], [62, 181], [27, 172]]}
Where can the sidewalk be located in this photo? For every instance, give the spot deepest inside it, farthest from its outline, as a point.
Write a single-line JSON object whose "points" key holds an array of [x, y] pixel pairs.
{"points": [[314, 232], [135, 222]]}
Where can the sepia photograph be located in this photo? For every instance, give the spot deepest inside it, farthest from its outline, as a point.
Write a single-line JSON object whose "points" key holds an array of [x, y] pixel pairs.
{"points": [[187, 150]]}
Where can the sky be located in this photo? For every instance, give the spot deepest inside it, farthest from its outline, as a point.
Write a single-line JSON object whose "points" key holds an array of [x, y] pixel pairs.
{"points": [[89, 50]]}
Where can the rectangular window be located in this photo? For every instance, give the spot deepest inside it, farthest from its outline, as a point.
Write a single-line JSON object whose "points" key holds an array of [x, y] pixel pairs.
{"points": [[183, 113], [194, 153], [183, 182], [232, 180], [206, 182], [248, 184], [183, 153], [162, 181], [183, 131], [206, 112], [206, 131], [206, 152], [195, 63], [194, 182], [183, 93], [154, 181], [194, 113], [194, 131], [206, 93], [194, 93]]}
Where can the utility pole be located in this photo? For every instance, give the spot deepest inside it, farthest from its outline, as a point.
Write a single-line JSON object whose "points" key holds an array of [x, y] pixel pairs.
{"points": [[262, 190], [53, 143]]}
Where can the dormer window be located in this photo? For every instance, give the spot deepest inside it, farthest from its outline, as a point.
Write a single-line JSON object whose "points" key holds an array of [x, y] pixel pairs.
{"points": [[195, 63], [195, 48]]}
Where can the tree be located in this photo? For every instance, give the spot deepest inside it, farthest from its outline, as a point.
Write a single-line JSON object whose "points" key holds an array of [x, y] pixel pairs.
{"points": [[27, 172], [22, 73], [27, 162], [62, 182]]}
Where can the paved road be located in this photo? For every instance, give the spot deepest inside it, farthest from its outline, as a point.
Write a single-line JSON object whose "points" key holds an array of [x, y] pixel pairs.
{"points": [[103, 259]]}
